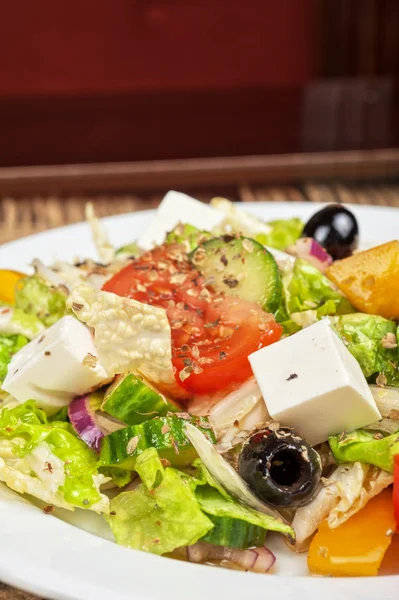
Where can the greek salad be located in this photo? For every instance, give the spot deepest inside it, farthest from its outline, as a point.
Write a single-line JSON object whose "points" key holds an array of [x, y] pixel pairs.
{"points": [[215, 382]]}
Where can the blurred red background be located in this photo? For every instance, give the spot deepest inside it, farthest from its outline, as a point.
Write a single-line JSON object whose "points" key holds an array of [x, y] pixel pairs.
{"points": [[90, 81]]}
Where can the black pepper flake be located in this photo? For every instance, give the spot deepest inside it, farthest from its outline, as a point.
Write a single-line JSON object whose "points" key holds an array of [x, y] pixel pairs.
{"points": [[47, 353], [224, 260], [42, 338], [228, 238], [222, 355], [112, 513], [212, 324], [292, 376], [141, 267], [86, 502], [231, 282], [48, 509], [187, 362], [75, 306]]}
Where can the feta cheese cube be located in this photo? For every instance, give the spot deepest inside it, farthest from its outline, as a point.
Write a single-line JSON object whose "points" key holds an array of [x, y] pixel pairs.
{"points": [[178, 208], [56, 366], [310, 381]]}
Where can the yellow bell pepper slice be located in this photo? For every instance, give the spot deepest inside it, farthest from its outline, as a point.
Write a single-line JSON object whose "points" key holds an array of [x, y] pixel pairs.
{"points": [[8, 281], [357, 547], [370, 279]]}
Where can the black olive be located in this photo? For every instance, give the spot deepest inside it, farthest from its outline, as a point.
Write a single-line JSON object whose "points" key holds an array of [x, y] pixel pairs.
{"points": [[280, 467], [335, 228]]}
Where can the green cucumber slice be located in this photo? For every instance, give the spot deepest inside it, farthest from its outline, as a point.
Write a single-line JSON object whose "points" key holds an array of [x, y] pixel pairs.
{"points": [[234, 533], [240, 266], [166, 434], [134, 401]]}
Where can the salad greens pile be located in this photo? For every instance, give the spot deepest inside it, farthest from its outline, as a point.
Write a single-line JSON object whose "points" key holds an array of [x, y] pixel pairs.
{"points": [[145, 342]]}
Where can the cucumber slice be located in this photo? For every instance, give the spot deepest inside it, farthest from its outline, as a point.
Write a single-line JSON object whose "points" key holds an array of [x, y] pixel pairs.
{"points": [[166, 434], [234, 533], [240, 266], [132, 401]]}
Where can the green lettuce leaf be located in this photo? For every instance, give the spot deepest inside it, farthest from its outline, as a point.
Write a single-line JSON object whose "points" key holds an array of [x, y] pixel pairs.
{"points": [[37, 298], [213, 503], [215, 500], [131, 249], [188, 235], [361, 446], [9, 345], [365, 336], [119, 477], [14, 321], [29, 436], [306, 288], [161, 514], [283, 233]]}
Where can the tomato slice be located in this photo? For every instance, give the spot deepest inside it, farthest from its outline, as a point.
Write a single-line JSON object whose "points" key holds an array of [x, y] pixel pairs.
{"points": [[396, 492], [212, 334]]}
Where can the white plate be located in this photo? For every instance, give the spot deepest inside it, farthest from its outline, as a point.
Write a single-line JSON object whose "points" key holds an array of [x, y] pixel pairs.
{"points": [[58, 559]]}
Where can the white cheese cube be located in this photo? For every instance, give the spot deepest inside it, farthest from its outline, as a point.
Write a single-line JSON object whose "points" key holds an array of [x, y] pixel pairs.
{"points": [[310, 381], [178, 208], [56, 366]]}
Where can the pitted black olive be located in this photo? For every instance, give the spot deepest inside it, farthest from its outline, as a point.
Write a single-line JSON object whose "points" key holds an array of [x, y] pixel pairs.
{"points": [[280, 467], [335, 228]]}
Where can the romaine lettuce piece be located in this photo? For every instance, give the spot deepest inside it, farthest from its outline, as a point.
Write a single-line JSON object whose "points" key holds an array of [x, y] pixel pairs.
{"points": [[36, 298], [32, 450], [129, 335], [213, 503], [188, 235], [363, 446], [9, 345], [283, 233], [14, 321], [128, 250], [161, 514], [372, 341], [306, 288]]}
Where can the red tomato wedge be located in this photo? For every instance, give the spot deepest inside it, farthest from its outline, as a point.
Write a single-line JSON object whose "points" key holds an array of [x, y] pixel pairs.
{"points": [[212, 334], [396, 492]]}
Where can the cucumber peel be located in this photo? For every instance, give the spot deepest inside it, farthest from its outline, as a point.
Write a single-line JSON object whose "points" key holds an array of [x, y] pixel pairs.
{"points": [[240, 266], [165, 434], [132, 400], [234, 533]]}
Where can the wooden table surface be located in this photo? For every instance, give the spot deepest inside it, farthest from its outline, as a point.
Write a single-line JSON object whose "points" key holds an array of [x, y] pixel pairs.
{"points": [[27, 215]]}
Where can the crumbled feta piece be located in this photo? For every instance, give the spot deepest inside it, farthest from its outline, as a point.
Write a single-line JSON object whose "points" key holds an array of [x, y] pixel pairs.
{"points": [[178, 208], [310, 381], [52, 368], [129, 335]]}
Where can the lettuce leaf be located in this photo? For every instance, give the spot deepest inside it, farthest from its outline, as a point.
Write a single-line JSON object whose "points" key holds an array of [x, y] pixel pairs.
{"points": [[161, 514], [129, 335], [14, 321], [9, 345], [35, 445], [215, 500], [36, 298], [365, 337], [283, 233], [188, 235], [362, 446], [213, 503], [306, 288]]}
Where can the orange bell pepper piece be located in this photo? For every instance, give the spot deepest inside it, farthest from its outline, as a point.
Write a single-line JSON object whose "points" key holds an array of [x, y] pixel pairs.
{"points": [[357, 547], [8, 281], [370, 279]]}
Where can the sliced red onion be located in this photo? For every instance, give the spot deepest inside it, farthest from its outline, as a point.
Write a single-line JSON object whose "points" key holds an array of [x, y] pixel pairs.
{"points": [[310, 250], [89, 422], [258, 560]]}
